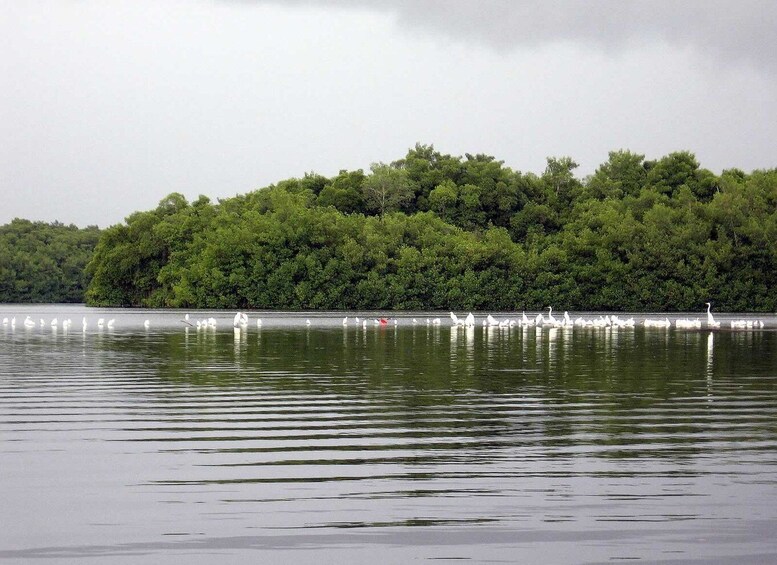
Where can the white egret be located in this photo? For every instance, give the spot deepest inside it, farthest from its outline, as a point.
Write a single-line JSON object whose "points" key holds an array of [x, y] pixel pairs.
{"points": [[240, 320], [656, 323], [711, 323], [469, 321], [345, 321], [110, 323], [54, 322], [147, 324], [307, 322], [258, 322], [100, 322], [28, 323]]}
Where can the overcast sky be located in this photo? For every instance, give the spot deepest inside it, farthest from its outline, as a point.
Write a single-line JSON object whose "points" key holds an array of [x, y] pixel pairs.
{"points": [[107, 106]]}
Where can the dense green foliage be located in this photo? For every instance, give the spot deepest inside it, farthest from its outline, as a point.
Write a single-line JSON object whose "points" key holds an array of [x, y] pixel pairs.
{"points": [[436, 231], [42, 262]]}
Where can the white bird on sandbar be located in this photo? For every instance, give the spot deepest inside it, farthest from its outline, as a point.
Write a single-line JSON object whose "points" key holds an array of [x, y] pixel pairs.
{"points": [[687, 323], [240, 320], [711, 323]]}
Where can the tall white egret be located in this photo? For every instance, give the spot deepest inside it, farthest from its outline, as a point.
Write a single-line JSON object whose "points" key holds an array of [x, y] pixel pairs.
{"points": [[711, 323], [110, 323]]}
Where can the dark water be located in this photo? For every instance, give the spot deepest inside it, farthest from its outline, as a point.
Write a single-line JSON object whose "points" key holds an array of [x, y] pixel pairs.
{"points": [[331, 444]]}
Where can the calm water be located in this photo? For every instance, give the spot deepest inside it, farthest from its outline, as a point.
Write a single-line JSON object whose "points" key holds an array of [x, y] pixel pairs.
{"points": [[331, 444]]}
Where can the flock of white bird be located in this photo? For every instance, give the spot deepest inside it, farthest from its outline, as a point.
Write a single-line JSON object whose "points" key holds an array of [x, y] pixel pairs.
{"points": [[55, 323], [240, 322]]}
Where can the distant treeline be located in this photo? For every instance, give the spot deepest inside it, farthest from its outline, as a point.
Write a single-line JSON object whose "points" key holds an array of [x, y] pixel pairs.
{"points": [[41, 262], [434, 231]]}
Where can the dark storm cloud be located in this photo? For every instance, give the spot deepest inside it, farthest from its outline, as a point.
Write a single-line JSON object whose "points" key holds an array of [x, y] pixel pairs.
{"points": [[729, 32]]}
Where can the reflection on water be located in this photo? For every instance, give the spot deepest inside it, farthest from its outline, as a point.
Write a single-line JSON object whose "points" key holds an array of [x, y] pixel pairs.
{"points": [[388, 443]]}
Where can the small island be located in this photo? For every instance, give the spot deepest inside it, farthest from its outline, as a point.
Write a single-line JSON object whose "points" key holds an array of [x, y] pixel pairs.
{"points": [[435, 231]]}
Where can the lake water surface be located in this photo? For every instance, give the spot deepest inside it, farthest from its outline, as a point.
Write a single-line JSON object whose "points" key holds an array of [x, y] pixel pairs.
{"points": [[326, 443]]}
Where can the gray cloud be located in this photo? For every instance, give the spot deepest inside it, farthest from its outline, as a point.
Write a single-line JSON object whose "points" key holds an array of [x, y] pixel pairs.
{"points": [[111, 105], [738, 32]]}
